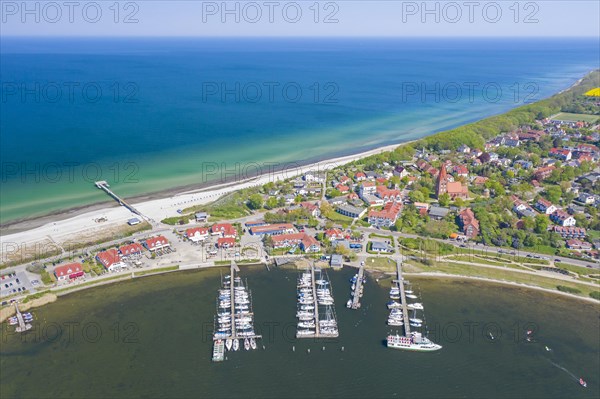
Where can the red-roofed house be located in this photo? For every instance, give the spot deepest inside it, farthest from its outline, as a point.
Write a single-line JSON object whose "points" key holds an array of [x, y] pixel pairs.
{"points": [[223, 230], [460, 170], [287, 240], [197, 234], [131, 249], [562, 218], [156, 243], [479, 180], [110, 259], [342, 188], [225, 242], [561, 153], [68, 271], [334, 234], [312, 208], [578, 244], [387, 216], [544, 172], [468, 223], [309, 244], [388, 195], [345, 180], [360, 176], [545, 206]]}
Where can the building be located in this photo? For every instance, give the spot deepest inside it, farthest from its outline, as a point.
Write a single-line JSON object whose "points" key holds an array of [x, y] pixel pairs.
{"points": [[468, 223], [314, 176], [111, 259], [545, 206], [197, 234], [201, 217], [578, 244], [586, 198], [561, 153], [133, 221], [272, 229], [68, 271], [312, 208], [367, 188], [360, 176], [438, 212], [130, 250], [388, 194], [287, 240], [454, 189], [255, 223], [309, 244], [400, 171], [380, 246], [337, 261], [385, 217], [157, 243], [223, 230], [562, 218], [544, 172], [570, 231], [225, 242], [522, 209], [334, 234], [351, 211]]}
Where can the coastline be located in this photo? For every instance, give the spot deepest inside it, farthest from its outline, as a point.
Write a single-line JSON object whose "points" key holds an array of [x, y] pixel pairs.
{"points": [[51, 297]]}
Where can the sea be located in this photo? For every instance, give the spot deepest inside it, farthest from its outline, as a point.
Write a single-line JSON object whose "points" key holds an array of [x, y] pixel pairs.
{"points": [[151, 337], [152, 114]]}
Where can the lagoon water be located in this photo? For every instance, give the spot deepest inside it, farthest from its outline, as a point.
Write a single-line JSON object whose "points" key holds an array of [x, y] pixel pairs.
{"points": [[155, 342], [152, 114]]}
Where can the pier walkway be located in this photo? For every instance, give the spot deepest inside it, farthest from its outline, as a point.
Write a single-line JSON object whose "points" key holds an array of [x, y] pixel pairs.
{"points": [[103, 185], [357, 288], [22, 325], [403, 298], [314, 291]]}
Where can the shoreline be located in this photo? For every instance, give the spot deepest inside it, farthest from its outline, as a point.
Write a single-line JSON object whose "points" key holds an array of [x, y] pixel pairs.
{"points": [[51, 297]]}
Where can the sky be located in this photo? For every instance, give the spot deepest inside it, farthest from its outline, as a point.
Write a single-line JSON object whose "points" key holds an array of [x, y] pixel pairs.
{"points": [[562, 18]]}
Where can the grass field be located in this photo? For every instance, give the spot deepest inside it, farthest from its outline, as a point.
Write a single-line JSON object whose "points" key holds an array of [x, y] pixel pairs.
{"points": [[566, 116]]}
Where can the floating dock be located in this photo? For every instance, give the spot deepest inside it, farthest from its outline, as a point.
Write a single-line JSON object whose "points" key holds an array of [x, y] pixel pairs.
{"points": [[403, 299], [23, 326], [323, 328], [358, 285]]}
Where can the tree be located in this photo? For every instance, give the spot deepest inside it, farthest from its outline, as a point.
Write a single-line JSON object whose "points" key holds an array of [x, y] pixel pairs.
{"points": [[271, 203], [459, 202], [444, 199], [553, 193], [416, 196], [255, 201], [541, 224]]}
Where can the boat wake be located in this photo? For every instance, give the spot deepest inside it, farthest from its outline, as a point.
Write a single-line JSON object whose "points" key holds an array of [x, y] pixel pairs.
{"points": [[564, 369]]}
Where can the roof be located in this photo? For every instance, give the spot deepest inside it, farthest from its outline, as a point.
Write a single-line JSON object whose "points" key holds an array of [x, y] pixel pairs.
{"points": [[109, 257], [225, 228], [380, 245], [438, 211], [307, 241], [288, 237], [200, 230], [467, 217], [68, 269], [334, 232], [272, 227], [456, 187], [336, 259], [157, 241], [225, 240], [134, 248], [389, 211]]}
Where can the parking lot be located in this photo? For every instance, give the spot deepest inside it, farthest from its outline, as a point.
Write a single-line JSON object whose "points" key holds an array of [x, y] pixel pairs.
{"points": [[15, 283]]}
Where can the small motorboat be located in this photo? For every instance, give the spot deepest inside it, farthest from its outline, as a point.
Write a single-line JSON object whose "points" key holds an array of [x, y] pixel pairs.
{"points": [[252, 343], [349, 303], [491, 336], [411, 296], [236, 344], [582, 382], [228, 344], [547, 349], [247, 344]]}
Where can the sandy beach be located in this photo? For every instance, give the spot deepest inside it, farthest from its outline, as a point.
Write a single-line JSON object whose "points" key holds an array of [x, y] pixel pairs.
{"points": [[83, 223]]}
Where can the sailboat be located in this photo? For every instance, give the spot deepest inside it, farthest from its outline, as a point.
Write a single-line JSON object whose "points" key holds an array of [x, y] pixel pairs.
{"points": [[236, 344], [247, 344], [252, 343], [228, 344]]}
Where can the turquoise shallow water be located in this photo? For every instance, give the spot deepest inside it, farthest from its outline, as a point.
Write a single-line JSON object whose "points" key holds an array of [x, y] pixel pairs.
{"points": [[151, 114], [155, 332]]}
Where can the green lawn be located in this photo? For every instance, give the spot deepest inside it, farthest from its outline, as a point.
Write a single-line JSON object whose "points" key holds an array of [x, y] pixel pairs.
{"points": [[567, 116], [383, 264]]}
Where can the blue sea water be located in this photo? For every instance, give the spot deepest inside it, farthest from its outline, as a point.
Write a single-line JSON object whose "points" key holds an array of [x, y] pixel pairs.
{"points": [[149, 114]]}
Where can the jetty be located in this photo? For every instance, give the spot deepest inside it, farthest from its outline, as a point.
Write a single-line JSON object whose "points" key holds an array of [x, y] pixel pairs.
{"points": [[404, 304], [358, 286], [104, 186], [23, 326], [316, 293]]}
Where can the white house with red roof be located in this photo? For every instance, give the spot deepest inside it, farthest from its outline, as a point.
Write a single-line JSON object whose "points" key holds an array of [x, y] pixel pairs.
{"points": [[562, 218], [225, 242], [360, 176], [287, 240], [68, 271], [545, 206], [309, 244], [334, 234], [388, 194], [561, 153], [385, 217], [312, 208], [111, 259], [223, 230], [133, 249], [156, 243], [197, 234]]}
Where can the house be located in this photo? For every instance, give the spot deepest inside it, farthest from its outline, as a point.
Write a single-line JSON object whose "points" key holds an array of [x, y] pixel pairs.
{"points": [[337, 200], [438, 212], [314, 176], [400, 171], [562, 218], [465, 149], [133, 249], [480, 180], [225, 242], [334, 234], [197, 234], [367, 187], [454, 189], [561, 153], [468, 223], [569, 231], [388, 195], [545, 206], [360, 176], [524, 164], [287, 240], [273, 229], [385, 217], [223, 230], [133, 221], [421, 206], [342, 188], [586, 198], [543, 172], [312, 208], [201, 217], [156, 243], [522, 209], [110, 259], [345, 180], [578, 244], [68, 271], [309, 244], [337, 261], [255, 223], [460, 170], [380, 246], [351, 211]]}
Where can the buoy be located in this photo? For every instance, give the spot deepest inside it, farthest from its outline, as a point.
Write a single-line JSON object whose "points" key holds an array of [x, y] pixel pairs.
{"points": [[294, 348], [342, 348], [308, 350], [323, 348]]}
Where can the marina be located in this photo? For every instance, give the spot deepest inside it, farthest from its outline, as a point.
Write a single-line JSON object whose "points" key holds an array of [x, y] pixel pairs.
{"points": [[399, 317], [21, 320], [315, 312], [234, 322], [357, 288]]}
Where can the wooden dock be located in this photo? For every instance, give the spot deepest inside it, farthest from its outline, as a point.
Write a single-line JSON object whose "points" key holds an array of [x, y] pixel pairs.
{"points": [[104, 186], [400, 281], [22, 327], [357, 288]]}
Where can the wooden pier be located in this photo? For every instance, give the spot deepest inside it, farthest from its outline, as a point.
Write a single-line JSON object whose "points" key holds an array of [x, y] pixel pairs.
{"points": [[357, 288], [23, 327], [104, 186], [315, 298], [400, 281]]}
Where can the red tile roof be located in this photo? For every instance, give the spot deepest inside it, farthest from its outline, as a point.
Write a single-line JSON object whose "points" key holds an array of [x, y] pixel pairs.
{"points": [[227, 242], [68, 269], [201, 230], [224, 228], [156, 242], [109, 257], [129, 249]]}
